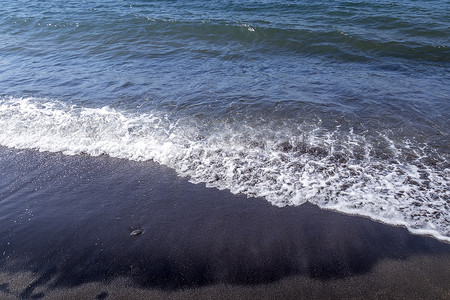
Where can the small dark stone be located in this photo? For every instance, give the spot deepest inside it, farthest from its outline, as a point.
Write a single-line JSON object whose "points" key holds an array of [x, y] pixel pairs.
{"points": [[136, 232]]}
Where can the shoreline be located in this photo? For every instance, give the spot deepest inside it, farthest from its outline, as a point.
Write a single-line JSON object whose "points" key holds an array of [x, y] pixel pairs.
{"points": [[67, 222]]}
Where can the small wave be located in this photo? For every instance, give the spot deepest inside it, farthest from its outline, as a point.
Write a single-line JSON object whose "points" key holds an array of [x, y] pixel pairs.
{"points": [[395, 182], [329, 42]]}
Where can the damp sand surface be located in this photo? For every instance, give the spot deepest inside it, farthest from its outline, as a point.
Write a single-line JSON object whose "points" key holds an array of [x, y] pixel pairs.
{"points": [[99, 227]]}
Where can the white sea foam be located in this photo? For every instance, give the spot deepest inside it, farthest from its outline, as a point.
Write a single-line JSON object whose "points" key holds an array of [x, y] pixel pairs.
{"points": [[391, 181]]}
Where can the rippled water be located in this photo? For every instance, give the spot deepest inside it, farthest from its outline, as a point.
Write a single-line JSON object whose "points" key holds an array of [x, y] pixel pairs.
{"points": [[344, 104]]}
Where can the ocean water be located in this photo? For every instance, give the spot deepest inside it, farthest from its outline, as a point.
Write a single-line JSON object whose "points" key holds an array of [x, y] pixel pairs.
{"points": [[343, 104]]}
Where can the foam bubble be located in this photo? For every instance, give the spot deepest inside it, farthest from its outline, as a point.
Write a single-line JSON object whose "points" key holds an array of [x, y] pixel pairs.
{"points": [[387, 180]]}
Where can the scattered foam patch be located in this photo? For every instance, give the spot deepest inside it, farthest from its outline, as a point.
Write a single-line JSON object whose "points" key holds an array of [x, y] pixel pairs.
{"points": [[396, 182]]}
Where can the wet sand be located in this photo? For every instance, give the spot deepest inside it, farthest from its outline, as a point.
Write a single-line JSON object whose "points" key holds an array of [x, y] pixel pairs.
{"points": [[65, 227]]}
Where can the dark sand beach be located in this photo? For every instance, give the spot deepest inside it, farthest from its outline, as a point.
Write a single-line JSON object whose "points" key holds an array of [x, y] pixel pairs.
{"points": [[66, 227], [110, 111]]}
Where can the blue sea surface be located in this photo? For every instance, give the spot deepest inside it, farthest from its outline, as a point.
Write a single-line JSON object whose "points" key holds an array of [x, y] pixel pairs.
{"points": [[344, 104]]}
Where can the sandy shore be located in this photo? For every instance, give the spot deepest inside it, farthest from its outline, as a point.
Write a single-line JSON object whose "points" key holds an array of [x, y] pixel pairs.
{"points": [[418, 277], [66, 223]]}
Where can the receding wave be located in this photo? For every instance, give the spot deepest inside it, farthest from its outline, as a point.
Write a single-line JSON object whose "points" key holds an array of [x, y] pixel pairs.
{"points": [[396, 182]]}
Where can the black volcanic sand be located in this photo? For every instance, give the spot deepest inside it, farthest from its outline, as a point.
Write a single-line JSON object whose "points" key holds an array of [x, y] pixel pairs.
{"points": [[66, 224]]}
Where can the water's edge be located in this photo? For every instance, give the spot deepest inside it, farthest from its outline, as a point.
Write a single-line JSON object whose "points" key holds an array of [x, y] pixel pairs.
{"points": [[393, 181]]}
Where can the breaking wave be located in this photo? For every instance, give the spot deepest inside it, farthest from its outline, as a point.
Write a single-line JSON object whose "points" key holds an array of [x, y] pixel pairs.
{"points": [[396, 182]]}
